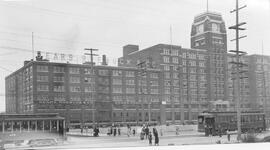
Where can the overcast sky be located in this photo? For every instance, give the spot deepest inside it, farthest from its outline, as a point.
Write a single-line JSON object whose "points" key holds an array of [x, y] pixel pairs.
{"points": [[69, 26]]}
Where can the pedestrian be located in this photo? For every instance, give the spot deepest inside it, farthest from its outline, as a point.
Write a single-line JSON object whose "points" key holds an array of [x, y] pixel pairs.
{"points": [[228, 135], [134, 132], [111, 130], [177, 130], [114, 131], [150, 138], [156, 136], [219, 131], [128, 130], [119, 130], [81, 130], [146, 132]]}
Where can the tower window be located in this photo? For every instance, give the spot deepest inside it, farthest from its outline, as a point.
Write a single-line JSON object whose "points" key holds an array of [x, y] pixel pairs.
{"points": [[199, 29], [215, 27]]}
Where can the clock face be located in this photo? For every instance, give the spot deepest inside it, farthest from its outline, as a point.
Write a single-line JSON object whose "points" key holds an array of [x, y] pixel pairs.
{"points": [[199, 29], [215, 27]]}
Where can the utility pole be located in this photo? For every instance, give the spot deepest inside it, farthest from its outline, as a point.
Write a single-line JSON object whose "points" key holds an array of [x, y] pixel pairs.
{"points": [[142, 73], [264, 88], [238, 64], [33, 46], [92, 83]]}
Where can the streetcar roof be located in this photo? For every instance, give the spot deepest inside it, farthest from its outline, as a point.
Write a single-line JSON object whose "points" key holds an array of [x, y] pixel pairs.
{"points": [[38, 116]]}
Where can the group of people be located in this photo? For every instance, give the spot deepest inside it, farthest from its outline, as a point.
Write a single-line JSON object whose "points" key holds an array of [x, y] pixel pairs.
{"points": [[114, 130], [145, 131]]}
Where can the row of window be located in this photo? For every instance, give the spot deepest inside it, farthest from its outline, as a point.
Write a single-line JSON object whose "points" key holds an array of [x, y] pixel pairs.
{"points": [[61, 88], [56, 69]]}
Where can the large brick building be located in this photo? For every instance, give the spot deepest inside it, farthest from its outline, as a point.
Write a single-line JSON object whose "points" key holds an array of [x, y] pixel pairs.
{"points": [[111, 94], [173, 86]]}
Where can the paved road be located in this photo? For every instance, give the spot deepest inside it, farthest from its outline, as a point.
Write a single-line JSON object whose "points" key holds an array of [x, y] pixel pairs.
{"points": [[82, 142]]}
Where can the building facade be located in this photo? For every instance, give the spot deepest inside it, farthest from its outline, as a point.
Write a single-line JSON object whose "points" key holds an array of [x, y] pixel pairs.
{"points": [[105, 94], [160, 84]]}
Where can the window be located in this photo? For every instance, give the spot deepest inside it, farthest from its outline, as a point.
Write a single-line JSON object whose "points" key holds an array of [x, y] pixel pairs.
{"points": [[192, 77], [59, 97], [117, 73], [130, 74], [74, 79], [130, 90], [42, 68], [117, 89], [192, 63], [166, 59], [130, 82], [201, 57], [201, 64], [175, 60], [154, 83], [154, 91], [166, 51], [174, 52], [74, 70], [75, 98], [103, 72], [192, 70], [215, 27], [58, 88], [41, 97], [75, 89], [58, 79], [166, 67], [42, 78], [42, 87], [175, 75], [88, 71], [154, 75], [89, 80], [199, 29], [57, 69], [167, 91], [117, 82], [89, 89], [167, 75], [167, 83]]}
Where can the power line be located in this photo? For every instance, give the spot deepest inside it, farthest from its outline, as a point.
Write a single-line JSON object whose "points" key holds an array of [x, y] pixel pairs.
{"points": [[5, 69]]}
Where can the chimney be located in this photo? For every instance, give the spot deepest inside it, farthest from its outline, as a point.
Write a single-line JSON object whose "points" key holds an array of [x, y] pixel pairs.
{"points": [[104, 61]]}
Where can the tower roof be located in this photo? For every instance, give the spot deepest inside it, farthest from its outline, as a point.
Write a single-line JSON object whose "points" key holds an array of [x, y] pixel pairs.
{"points": [[211, 15]]}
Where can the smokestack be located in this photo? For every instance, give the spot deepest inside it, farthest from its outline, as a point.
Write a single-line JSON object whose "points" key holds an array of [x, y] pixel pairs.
{"points": [[104, 61]]}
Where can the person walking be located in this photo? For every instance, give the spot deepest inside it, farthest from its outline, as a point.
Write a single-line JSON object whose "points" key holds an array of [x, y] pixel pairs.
{"points": [[128, 130], [150, 138], [156, 136], [134, 131], [119, 130], [177, 130], [114, 131], [146, 132], [228, 135]]}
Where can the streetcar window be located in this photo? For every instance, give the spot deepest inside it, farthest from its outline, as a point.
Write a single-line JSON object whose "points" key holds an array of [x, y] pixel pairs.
{"points": [[47, 125], [7, 126], [16, 126], [32, 125], [39, 125], [24, 126], [1, 127], [200, 119]]}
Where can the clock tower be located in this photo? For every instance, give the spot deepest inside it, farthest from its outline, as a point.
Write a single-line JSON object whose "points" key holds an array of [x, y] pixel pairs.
{"points": [[208, 32]]}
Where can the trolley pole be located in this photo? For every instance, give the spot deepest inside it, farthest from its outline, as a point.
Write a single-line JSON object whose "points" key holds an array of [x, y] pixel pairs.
{"points": [[92, 83], [238, 64]]}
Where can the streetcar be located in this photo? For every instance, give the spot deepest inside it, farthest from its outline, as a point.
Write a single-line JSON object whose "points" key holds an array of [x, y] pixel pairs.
{"points": [[31, 129], [215, 122]]}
